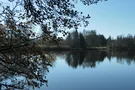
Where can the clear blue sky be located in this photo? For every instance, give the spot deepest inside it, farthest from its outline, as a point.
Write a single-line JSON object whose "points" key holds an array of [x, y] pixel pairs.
{"points": [[111, 18]]}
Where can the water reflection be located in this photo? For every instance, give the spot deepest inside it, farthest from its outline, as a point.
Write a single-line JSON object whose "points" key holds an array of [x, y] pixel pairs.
{"points": [[113, 72], [23, 69], [85, 59], [92, 58], [122, 56]]}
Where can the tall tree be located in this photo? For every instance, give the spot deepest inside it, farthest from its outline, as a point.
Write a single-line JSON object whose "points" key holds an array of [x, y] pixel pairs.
{"points": [[69, 40], [82, 41], [75, 39]]}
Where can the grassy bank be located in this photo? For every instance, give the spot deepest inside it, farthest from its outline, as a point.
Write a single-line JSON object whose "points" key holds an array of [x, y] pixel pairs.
{"points": [[70, 48]]}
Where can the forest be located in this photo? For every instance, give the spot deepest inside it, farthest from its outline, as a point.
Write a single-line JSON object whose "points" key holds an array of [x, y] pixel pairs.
{"points": [[90, 39]]}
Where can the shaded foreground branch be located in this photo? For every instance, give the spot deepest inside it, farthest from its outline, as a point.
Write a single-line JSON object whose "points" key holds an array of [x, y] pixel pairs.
{"points": [[24, 69]]}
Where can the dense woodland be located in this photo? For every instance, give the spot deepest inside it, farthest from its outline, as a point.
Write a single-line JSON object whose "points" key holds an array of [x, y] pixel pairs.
{"points": [[89, 39], [85, 39]]}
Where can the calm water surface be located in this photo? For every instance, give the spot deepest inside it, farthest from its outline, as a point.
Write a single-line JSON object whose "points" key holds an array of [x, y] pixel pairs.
{"points": [[92, 71]]}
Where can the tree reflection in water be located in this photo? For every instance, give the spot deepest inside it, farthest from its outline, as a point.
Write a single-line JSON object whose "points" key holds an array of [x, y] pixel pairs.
{"points": [[23, 69], [92, 58], [85, 59], [122, 56], [27, 68]]}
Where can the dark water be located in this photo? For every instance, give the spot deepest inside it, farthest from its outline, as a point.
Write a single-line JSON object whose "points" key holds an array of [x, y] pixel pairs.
{"points": [[93, 70]]}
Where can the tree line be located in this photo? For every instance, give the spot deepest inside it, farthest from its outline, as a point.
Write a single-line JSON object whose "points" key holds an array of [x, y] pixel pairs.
{"points": [[85, 39], [122, 42], [88, 39]]}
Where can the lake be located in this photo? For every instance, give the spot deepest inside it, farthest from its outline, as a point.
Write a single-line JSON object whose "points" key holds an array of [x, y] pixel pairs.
{"points": [[92, 70]]}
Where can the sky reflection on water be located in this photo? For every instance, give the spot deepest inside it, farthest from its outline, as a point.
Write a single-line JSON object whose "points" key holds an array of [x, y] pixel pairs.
{"points": [[106, 75]]}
